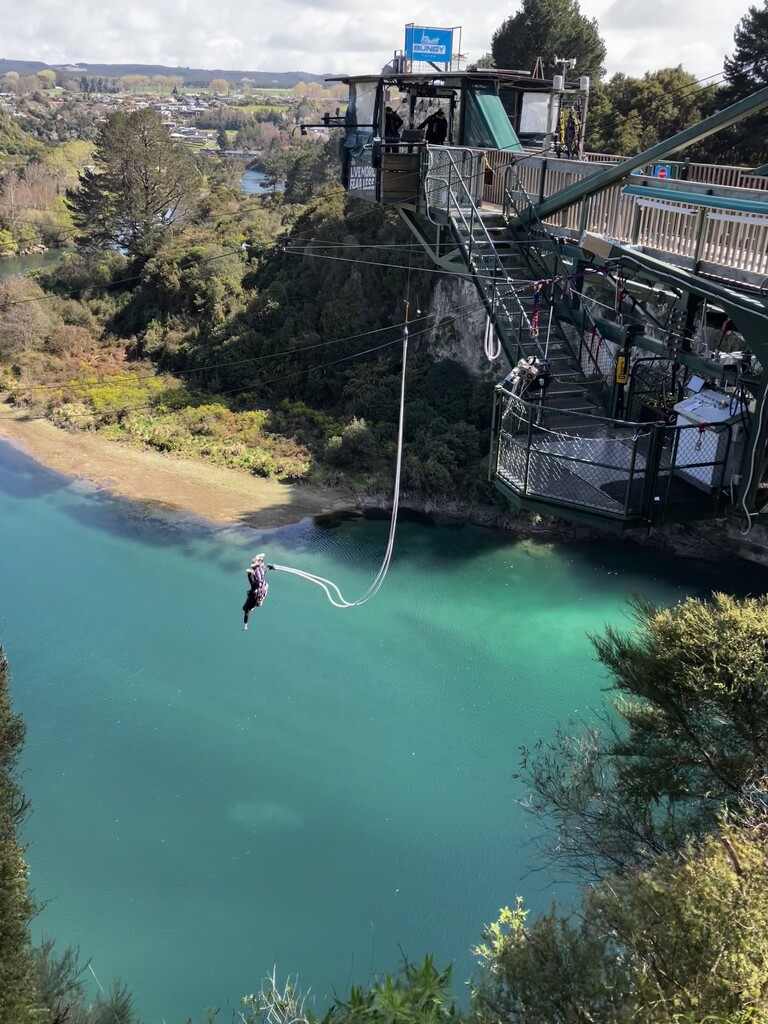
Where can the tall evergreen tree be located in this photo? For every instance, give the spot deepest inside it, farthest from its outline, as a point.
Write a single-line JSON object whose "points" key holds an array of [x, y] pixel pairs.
{"points": [[16, 988], [142, 185], [747, 69], [550, 29], [745, 72]]}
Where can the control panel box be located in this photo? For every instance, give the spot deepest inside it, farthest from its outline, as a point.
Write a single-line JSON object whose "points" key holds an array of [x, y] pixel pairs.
{"points": [[711, 438]]}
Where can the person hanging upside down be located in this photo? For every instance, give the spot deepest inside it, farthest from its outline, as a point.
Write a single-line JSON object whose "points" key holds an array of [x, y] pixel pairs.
{"points": [[257, 586]]}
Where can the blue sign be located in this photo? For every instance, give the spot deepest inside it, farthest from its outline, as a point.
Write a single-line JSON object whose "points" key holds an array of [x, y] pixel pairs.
{"points": [[662, 171], [435, 44]]}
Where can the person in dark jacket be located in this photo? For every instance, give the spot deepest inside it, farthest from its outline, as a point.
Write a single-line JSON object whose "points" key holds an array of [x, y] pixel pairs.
{"points": [[257, 586], [392, 125], [437, 127]]}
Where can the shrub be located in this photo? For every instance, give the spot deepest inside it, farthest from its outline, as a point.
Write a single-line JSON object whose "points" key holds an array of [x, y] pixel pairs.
{"points": [[355, 448], [68, 340], [7, 243]]}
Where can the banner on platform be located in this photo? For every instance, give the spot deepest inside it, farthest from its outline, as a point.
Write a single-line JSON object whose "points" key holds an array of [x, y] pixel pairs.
{"points": [[432, 44]]}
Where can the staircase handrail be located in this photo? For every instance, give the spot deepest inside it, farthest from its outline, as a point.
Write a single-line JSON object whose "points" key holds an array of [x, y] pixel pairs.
{"points": [[500, 274], [562, 271]]}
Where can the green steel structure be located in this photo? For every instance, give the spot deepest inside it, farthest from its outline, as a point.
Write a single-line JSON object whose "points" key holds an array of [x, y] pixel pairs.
{"points": [[629, 302]]}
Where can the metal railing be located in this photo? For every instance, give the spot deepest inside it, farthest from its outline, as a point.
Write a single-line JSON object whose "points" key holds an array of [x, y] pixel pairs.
{"points": [[595, 356], [453, 187], [697, 234], [627, 472]]}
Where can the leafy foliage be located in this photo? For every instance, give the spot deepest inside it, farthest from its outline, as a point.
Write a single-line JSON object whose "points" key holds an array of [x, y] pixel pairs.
{"points": [[16, 987], [14, 141], [61, 991], [627, 115], [418, 994], [685, 940], [556, 969], [688, 736]]}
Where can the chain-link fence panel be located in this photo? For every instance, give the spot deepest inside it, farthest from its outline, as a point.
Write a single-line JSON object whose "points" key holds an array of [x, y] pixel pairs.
{"points": [[621, 470]]}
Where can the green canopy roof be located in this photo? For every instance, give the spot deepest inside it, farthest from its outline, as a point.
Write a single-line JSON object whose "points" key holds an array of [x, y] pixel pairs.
{"points": [[486, 125]]}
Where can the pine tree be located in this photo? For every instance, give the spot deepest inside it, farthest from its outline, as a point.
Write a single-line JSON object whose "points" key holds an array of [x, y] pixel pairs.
{"points": [[747, 70], [550, 29], [143, 185]]}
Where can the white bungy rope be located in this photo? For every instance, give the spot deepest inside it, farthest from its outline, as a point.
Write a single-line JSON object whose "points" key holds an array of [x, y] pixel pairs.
{"points": [[491, 343], [332, 592]]}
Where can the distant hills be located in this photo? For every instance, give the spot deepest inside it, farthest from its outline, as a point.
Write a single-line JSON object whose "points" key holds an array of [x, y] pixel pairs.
{"points": [[191, 76]]}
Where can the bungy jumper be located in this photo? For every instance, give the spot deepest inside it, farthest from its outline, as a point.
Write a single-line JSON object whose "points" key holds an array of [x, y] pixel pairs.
{"points": [[257, 586]]}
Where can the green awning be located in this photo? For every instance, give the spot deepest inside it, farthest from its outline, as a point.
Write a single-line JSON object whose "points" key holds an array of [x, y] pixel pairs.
{"points": [[486, 124]]}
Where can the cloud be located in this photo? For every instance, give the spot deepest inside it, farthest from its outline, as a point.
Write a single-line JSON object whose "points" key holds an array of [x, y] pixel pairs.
{"points": [[643, 35], [352, 36]]}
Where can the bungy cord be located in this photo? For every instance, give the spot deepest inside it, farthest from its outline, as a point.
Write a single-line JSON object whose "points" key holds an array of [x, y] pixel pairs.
{"points": [[332, 592], [491, 343]]}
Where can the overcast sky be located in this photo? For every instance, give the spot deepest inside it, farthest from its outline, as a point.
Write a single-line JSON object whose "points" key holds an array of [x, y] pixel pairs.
{"points": [[355, 36]]}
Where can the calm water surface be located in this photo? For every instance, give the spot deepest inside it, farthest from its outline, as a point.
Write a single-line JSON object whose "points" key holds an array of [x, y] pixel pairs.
{"points": [[312, 793], [254, 183], [21, 264]]}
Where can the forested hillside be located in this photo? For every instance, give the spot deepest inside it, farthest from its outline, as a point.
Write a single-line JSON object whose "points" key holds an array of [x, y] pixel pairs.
{"points": [[198, 76], [259, 333]]}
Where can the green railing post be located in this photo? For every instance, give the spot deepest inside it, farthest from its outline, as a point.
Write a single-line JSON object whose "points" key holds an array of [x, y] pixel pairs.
{"points": [[652, 464], [493, 453]]}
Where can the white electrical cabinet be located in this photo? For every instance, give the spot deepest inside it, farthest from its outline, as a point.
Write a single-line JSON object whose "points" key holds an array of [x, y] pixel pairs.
{"points": [[712, 434]]}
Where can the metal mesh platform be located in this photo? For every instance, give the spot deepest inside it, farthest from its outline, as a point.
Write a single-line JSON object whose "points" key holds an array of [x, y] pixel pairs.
{"points": [[621, 471]]}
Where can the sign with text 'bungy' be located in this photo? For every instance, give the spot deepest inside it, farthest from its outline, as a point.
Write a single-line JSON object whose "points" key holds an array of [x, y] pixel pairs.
{"points": [[434, 44]]}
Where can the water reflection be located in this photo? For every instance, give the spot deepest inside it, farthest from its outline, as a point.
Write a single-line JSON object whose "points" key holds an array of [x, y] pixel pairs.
{"points": [[13, 266], [256, 183]]}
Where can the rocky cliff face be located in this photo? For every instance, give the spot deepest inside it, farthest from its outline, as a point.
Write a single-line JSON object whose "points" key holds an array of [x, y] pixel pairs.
{"points": [[459, 328]]}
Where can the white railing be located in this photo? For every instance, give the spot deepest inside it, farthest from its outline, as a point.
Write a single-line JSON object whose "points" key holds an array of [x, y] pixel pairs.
{"points": [[720, 236]]}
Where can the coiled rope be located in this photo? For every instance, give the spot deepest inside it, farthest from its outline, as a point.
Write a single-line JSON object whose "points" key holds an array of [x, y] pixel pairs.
{"points": [[332, 591]]}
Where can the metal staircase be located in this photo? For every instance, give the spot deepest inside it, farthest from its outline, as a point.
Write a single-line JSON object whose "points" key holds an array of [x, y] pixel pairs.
{"points": [[540, 249], [505, 271], [555, 447]]}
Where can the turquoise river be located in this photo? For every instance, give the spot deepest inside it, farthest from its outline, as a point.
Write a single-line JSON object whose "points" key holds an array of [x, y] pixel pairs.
{"points": [[318, 793]]}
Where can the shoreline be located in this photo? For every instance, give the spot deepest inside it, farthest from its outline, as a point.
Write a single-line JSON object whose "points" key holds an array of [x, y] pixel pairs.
{"points": [[231, 497], [218, 494]]}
